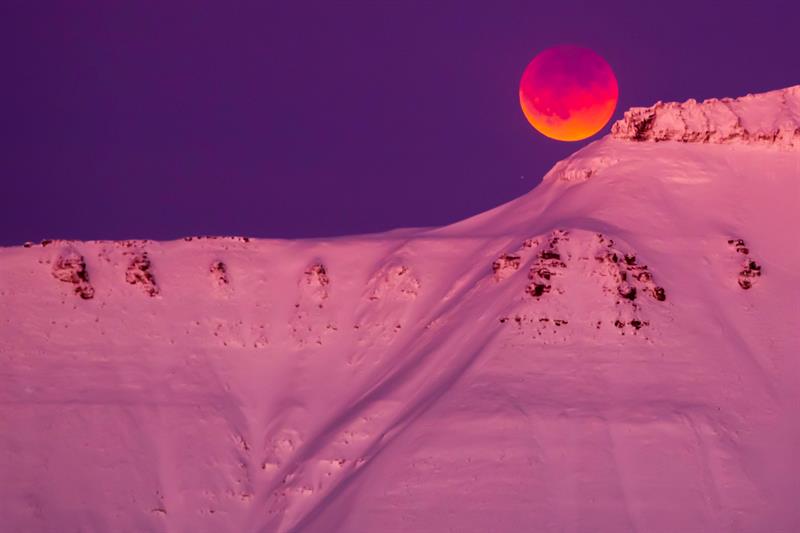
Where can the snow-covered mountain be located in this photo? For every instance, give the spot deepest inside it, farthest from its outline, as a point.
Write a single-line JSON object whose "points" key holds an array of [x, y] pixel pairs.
{"points": [[617, 350]]}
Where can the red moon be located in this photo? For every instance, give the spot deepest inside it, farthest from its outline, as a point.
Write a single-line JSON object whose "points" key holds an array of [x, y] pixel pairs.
{"points": [[568, 93]]}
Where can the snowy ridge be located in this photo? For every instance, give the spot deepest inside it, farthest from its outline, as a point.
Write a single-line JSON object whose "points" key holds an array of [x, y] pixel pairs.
{"points": [[767, 118], [614, 351]]}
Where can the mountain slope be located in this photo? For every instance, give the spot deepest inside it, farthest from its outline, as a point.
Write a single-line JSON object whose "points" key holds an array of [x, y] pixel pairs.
{"points": [[614, 351]]}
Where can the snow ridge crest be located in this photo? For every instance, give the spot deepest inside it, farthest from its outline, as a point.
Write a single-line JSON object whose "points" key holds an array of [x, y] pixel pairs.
{"points": [[771, 118]]}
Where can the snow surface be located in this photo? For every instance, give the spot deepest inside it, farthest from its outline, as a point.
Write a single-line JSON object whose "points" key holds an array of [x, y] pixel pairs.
{"points": [[617, 350]]}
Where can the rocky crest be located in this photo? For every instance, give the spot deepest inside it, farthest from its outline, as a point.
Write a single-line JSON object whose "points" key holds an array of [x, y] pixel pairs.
{"points": [[139, 273], [767, 118], [70, 267]]}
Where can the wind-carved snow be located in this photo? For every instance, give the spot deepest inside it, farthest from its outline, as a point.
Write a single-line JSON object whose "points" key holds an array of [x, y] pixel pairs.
{"points": [[384, 310], [229, 333], [771, 118], [393, 282], [581, 169], [614, 351]]}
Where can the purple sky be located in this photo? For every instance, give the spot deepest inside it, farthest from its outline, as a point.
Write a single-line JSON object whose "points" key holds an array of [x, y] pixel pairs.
{"points": [[162, 119]]}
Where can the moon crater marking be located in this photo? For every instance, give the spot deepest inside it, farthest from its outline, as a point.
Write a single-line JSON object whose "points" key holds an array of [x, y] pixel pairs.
{"points": [[568, 92]]}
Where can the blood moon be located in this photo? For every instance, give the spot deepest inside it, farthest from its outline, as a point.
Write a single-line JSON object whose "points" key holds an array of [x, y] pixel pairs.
{"points": [[568, 92]]}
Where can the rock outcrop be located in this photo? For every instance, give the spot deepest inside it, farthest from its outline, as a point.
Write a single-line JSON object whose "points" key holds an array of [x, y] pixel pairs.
{"points": [[139, 273], [766, 118], [751, 270], [70, 267], [219, 274]]}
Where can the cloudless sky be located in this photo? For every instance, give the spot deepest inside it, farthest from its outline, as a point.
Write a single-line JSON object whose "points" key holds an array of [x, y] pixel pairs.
{"points": [[160, 119]]}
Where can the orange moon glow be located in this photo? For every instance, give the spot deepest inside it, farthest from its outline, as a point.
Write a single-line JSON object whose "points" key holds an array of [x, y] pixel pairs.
{"points": [[568, 93]]}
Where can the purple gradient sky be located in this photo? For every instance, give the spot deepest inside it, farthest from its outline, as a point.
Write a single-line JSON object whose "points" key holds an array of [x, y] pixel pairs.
{"points": [[155, 119]]}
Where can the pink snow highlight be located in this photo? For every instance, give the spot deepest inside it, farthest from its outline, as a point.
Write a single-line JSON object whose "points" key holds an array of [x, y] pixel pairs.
{"points": [[516, 371]]}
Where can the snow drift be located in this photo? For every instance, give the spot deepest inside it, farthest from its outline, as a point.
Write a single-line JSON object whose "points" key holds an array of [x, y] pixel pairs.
{"points": [[615, 351]]}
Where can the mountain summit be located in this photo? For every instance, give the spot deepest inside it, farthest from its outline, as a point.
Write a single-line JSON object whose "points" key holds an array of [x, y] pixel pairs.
{"points": [[768, 118], [617, 350]]}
